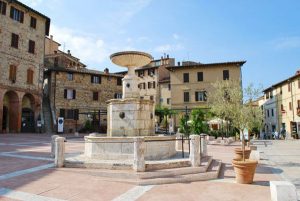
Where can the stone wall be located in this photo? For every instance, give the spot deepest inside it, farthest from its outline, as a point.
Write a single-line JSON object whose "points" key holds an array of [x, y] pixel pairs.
{"points": [[84, 95], [23, 60]]}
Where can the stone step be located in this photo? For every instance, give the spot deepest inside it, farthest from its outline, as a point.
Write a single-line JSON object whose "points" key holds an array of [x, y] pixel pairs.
{"points": [[167, 164], [212, 173], [177, 171]]}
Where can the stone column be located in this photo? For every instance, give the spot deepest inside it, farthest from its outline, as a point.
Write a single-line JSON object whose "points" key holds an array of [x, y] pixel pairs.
{"points": [[139, 154], [203, 145], [59, 152], [195, 150], [53, 137]]}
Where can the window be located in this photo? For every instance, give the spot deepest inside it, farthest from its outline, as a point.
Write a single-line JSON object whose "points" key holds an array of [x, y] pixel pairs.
{"points": [[70, 76], [282, 108], [169, 87], [281, 90], [200, 96], [95, 79], [69, 94], [12, 73], [14, 40], [272, 112], [153, 84], [299, 84], [268, 113], [161, 100], [186, 96], [151, 97], [16, 14], [141, 73], [168, 101], [289, 87], [298, 104], [55, 61], [186, 77], [200, 76], [3, 8], [149, 85], [142, 86], [151, 72], [290, 105], [225, 74], [69, 114], [33, 22], [31, 46], [271, 94], [119, 81], [29, 76], [118, 96], [95, 96]]}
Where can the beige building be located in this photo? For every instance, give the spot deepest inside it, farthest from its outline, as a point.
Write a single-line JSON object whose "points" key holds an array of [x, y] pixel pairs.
{"points": [[282, 107], [22, 33], [151, 75], [191, 82], [165, 93], [77, 93]]}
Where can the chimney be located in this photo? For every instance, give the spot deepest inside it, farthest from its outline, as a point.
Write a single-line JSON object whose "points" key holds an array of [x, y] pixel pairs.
{"points": [[106, 71], [51, 37], [178, 63], [69, 52], [167, 56], [297, 72]]}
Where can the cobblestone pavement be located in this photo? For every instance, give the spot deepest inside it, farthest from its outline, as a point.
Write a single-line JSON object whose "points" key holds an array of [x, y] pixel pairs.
{"points": [[27, 173], [284, 156]]}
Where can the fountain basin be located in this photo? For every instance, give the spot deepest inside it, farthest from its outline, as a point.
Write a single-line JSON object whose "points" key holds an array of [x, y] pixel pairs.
{"points": [[121, 148]]}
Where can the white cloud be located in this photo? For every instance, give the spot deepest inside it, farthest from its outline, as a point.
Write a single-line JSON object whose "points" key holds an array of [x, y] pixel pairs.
{"points": [[84, 46], [169, 48], [287, 43]]}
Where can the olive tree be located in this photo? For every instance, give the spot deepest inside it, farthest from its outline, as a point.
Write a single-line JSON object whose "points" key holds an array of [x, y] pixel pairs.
{"points": [[226, 101]]}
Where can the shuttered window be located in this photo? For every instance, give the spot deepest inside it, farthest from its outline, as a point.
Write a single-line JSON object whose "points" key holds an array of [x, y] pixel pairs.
{"points": [[186, 77], [29, 76], [16, 14], [14, 40], [96, 79], [3, 8], [69, 94], [31, 46], [12, 73], [186, 96], [200, 96], [33, 22], [225, 74], [95, 95], [200, 76]]}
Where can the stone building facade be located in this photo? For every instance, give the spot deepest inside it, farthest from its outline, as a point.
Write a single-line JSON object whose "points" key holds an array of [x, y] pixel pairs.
{"points": [[22, 33], [151, 75], [76, 93], [282, 107], [191, 82]]}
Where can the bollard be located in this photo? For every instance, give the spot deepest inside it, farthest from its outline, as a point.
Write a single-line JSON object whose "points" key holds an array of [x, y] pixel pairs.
{"points": [[195, 150], [283, 191], [139, 154], [59, 152], [53, 137], [203, 145]]}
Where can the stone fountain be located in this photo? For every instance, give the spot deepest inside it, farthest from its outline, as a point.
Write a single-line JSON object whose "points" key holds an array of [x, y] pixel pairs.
{"points": [[130, 116]]}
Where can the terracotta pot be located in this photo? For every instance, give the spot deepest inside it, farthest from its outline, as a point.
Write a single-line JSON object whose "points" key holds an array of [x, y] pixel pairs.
{"points": [[244, 171], [239, 153]]}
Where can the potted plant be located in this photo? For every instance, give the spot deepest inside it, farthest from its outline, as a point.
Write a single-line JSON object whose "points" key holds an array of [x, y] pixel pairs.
{"points": [[227, 98]]}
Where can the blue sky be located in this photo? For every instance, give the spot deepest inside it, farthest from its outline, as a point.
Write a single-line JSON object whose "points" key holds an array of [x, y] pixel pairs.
{"points": [[265, 33]]}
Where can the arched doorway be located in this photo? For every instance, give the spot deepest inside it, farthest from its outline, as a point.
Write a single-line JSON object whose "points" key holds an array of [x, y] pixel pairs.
{"points": [[10, 112], [27, 125]]}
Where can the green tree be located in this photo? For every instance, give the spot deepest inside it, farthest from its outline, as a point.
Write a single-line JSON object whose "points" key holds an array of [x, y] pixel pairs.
{"points": [[226, 101], [199, 121]]}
